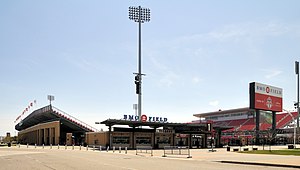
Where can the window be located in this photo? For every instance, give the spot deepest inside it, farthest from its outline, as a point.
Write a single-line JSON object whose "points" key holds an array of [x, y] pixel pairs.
{"points": [[164, 140], [143, 140], [120, 140]]}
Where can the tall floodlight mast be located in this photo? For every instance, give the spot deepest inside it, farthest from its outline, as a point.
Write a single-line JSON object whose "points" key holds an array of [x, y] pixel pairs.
{"points": [[297, 105], [139, 15]]}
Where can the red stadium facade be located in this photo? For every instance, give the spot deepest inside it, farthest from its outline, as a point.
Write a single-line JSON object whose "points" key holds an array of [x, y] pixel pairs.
{"points": [[262, 121]]}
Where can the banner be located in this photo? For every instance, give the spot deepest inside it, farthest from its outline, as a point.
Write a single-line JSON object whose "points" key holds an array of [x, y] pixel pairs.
{"points": [[30, 105]]}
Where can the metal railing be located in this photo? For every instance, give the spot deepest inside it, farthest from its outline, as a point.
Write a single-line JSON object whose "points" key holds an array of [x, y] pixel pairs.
{"points": [[177, 151], [144, 150], [69, 117]]}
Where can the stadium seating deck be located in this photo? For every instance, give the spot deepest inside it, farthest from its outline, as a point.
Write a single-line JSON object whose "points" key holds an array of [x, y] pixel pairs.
{"points": [[282, 120]]}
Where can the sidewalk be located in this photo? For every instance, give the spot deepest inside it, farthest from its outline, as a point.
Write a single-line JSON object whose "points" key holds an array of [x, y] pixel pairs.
{"points": [[223, 156]]}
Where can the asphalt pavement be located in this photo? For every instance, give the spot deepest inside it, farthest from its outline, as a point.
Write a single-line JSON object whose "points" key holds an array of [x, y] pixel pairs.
{"points": [[21, 157]]}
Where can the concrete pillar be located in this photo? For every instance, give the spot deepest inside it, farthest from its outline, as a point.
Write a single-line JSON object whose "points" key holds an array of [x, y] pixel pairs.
{"points": [[133, 137], [40, 136], [45, 136], [273, 121], [37, 136], [204, 141], [109, 136], [257, 118], [190, 140], [154, 139], [50, 136]]}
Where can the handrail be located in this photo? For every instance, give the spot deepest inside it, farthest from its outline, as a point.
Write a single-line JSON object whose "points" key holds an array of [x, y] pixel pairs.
{"points": [[75, 119]]}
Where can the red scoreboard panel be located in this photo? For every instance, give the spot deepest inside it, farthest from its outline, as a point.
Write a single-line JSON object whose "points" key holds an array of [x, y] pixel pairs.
{"points": [[265, 97]]}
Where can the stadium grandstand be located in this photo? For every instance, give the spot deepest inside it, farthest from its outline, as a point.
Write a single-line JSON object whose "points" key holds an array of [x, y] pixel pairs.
{"points": [[49, 125], [243, 125]]}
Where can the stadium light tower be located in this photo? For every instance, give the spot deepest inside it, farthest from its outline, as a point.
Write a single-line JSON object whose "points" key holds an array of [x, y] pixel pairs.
{"points": [[297, 73], [139, 15]]}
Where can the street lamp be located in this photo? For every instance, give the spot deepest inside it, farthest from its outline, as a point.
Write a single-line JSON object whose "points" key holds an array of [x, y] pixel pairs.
{"points": [[139, 15], [294, 126]]}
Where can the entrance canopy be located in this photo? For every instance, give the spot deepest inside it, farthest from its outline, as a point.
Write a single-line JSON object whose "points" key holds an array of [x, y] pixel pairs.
{"points": [[178, 127]]}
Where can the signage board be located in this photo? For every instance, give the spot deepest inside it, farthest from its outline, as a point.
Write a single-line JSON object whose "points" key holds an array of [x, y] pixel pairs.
{"points": [[145, 118], [265, 97]]}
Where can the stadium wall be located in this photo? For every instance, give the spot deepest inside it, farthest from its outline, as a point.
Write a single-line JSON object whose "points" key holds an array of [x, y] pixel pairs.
{"points": [[43, 133]]}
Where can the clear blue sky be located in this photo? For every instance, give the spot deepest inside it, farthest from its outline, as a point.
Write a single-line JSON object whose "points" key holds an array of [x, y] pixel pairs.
{"points": [[199, 56]]}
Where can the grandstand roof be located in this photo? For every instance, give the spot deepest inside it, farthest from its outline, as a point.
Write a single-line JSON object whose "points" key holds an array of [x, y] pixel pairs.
{"points": [[221, 112], [50, 113]]}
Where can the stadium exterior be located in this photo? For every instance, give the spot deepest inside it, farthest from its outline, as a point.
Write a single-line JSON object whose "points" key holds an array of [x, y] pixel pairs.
{"points": [[51, 126], [259, 123]]}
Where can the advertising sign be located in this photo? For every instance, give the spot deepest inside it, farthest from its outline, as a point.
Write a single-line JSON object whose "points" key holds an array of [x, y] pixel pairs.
{"points": [[265, 97]]}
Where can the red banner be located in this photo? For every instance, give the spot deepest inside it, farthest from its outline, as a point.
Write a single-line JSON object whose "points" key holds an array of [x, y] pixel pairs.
{"points": [[266, 102]]}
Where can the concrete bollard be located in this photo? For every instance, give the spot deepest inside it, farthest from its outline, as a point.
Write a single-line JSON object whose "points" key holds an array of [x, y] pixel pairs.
{"points": [[114, 148], [94, 148], [107, 149], [87, 147], [120, 149], [27, 145], [66, 147], [34, 145], [19, 145], [125, 150], [57, 146], [73, 147], [50, 146], [80, 147], [100, 148], [43, 146]]}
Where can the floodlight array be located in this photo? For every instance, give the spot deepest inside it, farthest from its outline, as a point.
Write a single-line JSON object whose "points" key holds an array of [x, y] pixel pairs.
{"points": [[139, 14]]}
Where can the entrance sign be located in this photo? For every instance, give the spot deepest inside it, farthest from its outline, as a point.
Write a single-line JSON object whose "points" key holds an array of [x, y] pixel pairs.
{"points": [[145, 118], [265, 97]]}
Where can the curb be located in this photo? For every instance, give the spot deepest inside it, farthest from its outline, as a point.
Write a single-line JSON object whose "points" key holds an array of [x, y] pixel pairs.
{"points": [[262, 164]]}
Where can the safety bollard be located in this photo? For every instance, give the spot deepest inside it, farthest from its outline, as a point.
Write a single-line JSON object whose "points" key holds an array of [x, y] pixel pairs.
{"points": [[57, 146], [73, 147], [34, 145], [120, 149], [107, 149], [43, 146], [94, 148], [125, 150], [50, 146], [80, 147], [66, 147], [87, 147], [114, 148], [19, 145], [27, 145], [100, 148]]}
